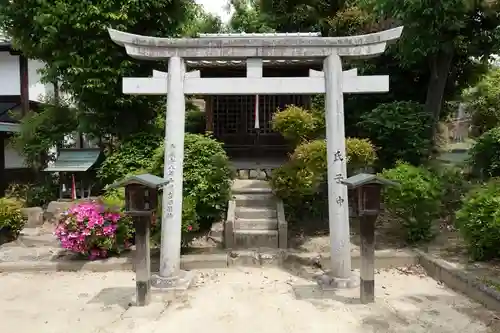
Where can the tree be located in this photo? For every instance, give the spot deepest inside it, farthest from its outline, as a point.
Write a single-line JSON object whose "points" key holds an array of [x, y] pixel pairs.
{"points": [[202, 22], [444, 34], [483, 102], [248, 17], [71, 37]]}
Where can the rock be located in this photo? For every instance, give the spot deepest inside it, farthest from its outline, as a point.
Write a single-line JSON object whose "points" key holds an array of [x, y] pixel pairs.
{"points": [[54, 209], [254, 174], [243, 174], [269, 173], [262, 175], [34, 216]]}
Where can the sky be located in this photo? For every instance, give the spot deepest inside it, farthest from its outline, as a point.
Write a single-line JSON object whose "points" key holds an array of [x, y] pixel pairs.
{"points": [[216, 7]]}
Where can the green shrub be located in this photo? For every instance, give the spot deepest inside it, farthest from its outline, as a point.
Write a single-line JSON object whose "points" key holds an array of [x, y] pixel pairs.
{"points": [[207, 176], [454, 187], [301, 182], [35, 195], [114, 199], [479, 221], [195, 121], [360, 153], [133, 154], [402, 131], [12, 220], [485, 155], [294, 123], [484, 102], [415, 202], [190, 222], [311, 155]]}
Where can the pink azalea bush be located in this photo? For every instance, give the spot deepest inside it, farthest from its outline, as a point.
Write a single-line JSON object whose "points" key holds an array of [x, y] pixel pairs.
{"points": [[93, 230]]}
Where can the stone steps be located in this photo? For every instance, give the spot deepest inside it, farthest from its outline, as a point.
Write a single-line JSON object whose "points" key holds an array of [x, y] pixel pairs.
{"points": [[249, 239], [260, 200], [256, 213], [256, 224], [254, 221]]}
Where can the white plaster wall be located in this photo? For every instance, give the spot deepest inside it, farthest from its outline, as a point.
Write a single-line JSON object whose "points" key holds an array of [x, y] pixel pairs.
{"points": [[10, 80], [9, 74]]}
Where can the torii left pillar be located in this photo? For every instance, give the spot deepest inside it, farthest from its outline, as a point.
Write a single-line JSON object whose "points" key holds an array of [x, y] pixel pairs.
{"points": [[170, 275]]}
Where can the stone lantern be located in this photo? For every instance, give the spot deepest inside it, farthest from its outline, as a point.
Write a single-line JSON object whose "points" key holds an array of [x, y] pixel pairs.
{"points": [[365, 194], [141, 200]]}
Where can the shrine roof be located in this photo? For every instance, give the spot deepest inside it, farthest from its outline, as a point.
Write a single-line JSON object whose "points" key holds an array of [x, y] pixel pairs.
{"points": [[75, 160]]}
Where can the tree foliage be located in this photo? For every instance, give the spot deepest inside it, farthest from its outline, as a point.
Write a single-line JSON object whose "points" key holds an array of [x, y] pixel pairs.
{"points": [[249, 17], [483, 102], [399, 130], [442, 34], [43, 130], [201, 22], [71, 37]]}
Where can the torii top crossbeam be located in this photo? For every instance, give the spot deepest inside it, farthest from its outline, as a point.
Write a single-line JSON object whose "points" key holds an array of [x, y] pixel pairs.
{"points": [[254, 45]]}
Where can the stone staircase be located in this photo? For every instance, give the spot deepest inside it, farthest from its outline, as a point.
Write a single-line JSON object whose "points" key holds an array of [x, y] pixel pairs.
{"points": [[255, 217]]}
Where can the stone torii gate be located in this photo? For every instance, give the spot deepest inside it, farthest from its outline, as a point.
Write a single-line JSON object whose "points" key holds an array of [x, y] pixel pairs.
{"points": [[332, 81]]}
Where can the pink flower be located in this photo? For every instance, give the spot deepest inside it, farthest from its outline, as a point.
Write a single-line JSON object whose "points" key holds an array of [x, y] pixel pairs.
{"points": [[189, 228], [89, 229]]}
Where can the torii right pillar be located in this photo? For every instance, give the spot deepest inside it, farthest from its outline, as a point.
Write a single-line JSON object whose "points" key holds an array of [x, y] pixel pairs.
{"points": [[340, 275]]}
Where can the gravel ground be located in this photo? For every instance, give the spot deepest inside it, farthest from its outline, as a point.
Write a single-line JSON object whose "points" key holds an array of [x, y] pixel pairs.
{"points": [[247, 300]]}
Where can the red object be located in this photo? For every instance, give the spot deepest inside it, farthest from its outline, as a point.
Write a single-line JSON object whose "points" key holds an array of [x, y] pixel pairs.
{"points": [[73, 187]]}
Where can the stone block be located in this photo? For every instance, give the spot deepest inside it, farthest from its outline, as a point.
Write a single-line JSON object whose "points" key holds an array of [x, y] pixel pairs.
{"points": [[254, 174], [250, 239], [34, 216], [243, 174], [262, 175], [55, 208]]}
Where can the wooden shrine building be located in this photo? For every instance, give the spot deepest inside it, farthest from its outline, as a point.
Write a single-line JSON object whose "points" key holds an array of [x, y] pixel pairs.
{"points": [[243, 122]]}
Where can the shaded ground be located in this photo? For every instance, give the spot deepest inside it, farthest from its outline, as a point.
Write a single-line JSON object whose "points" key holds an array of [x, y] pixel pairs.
{"points": [[312, 236], [244, 300], [448, 245], [38, 244]]}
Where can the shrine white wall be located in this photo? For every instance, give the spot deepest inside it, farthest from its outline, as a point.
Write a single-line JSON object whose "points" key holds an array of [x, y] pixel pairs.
{"points": [[10, 81]]}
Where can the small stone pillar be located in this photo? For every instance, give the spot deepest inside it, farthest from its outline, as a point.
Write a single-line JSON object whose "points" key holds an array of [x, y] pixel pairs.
{"points": [[366, 198]]}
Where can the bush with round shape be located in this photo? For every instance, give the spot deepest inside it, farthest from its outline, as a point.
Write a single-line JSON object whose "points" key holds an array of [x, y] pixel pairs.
{"points": [[415, 202], [93, 230], [361, 154], [454, 187], [485, 155], [479, 221], [301, 182], [207, 176], [12, 220], [402, 131], [294, 123]]}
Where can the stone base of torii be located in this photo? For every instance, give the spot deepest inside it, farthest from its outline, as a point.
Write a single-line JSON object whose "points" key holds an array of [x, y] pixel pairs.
{"points": [[177, 83]]}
